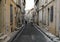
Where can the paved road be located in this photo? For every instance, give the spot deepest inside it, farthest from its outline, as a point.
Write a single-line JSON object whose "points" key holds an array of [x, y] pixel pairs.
{"points": [[30, 34]]}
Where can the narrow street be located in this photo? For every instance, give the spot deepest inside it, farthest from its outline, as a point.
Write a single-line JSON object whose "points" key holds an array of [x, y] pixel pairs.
{"points": [[29, 21], [30, 34]]}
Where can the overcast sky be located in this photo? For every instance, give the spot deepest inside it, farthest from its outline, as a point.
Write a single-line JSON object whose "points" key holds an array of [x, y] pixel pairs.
{"points": [[29, 4]]}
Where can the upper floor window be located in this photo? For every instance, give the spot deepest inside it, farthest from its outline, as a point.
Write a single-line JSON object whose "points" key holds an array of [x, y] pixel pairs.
{"points": [[48, 15], [0, 1], [51, 14], [11, 14], [5, 1]]}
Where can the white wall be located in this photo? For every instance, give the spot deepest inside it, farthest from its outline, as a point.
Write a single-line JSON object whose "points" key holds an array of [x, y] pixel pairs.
{"points": [[58, 15]]}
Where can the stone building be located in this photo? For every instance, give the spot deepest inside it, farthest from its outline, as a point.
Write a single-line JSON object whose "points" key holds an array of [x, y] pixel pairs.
{"points": [[30, 15], [48, 14], [36, 11], [18, 14], [47, 10], [11, 16], [5, 17], [8, 11], [1, 14], [22, 4]]}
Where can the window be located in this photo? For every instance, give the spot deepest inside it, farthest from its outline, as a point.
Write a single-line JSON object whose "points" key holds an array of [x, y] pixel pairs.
{"points": [[51, 15], [11, 14], [5, 1], [48, 16], [24, 2], [0, 1]]}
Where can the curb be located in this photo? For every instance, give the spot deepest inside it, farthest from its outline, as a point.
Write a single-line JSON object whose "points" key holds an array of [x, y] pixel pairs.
{"points": [[17, 33], [55, 39]]}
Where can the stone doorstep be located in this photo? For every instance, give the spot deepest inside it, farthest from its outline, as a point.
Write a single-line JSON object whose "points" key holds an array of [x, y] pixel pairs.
{"points": [[3, 37], [13, 33], [6, 40], [52, 36], [1, 34], [10, 36], [55, 39]]}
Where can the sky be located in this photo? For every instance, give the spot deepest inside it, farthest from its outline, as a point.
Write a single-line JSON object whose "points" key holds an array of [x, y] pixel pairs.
{"points": [[29, 4]]}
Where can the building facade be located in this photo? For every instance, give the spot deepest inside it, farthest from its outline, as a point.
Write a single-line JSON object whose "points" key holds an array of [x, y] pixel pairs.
{"points": [[23, 10], [5, 21], [36, 8], [8, 16], [13, 14], [20, 12], [49, 15], [1, 14]]}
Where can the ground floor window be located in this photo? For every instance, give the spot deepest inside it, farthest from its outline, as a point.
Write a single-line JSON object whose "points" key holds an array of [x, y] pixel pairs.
{"points": [[48, 15], [51, 14]]}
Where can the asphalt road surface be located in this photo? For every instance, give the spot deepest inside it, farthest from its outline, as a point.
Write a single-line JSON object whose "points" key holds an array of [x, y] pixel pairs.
{"points": [[30, 34]]}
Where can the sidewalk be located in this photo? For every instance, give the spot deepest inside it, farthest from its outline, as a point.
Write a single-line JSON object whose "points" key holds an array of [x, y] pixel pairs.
{"points": [[48, 34], [5, 37], [12, 35]]}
